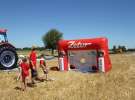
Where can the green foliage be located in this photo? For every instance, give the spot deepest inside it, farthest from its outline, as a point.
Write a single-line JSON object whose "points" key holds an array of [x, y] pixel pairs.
{"points": [[114, 48], [124, 48], [51, 38], [131, 49], [29, 48]]}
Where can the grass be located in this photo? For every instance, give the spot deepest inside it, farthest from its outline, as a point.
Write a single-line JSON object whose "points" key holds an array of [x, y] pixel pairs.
{"points": [[117, 84]]}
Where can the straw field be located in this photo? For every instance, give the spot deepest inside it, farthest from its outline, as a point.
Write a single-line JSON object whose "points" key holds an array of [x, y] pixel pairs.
{"points": [[117, 84]]}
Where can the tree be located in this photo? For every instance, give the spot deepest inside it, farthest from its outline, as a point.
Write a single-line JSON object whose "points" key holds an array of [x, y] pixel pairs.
{"points": [[51, 38], [114, 49], [124, 48]]}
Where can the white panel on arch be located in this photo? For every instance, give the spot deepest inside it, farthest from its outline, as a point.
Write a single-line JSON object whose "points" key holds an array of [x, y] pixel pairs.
{"points": [[83, 60]]}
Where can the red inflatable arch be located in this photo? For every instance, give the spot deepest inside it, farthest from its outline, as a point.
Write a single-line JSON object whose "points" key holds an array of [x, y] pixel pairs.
{"points": [[84, 55]]}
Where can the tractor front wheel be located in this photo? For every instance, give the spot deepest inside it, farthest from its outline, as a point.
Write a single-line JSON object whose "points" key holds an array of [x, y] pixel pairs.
{"points": [[8, 57]]}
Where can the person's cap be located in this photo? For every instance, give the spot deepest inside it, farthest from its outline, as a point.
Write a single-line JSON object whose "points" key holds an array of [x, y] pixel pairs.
{"points": [[33, 46], [21, 56]]}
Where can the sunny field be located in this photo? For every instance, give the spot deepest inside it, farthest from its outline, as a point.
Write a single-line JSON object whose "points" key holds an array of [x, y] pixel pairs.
{"points": [[118, 84]]}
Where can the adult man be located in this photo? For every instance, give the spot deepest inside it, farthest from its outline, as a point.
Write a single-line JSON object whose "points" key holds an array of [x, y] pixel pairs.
{"points": [[33, 66]]}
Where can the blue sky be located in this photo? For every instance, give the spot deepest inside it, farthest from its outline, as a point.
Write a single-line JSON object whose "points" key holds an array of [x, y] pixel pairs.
{"points": [[28, 20]]}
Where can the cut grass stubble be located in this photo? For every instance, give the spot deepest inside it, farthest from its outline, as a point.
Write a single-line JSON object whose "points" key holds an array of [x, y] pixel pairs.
{"points": [[117, 84]]}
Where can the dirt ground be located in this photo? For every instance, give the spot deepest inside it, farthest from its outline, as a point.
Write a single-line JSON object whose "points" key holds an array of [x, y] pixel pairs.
{"points": [[117, 84]]}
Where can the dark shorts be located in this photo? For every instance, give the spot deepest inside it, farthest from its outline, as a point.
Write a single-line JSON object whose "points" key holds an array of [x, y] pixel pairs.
{"points": [[34, 73]]}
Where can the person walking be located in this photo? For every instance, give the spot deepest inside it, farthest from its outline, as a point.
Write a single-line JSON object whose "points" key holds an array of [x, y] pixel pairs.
{"points": [[33, 64]]}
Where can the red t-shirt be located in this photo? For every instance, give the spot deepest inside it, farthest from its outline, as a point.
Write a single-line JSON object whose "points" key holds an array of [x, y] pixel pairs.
{"points": [[42, 61], [33, 57], [25, 69]]}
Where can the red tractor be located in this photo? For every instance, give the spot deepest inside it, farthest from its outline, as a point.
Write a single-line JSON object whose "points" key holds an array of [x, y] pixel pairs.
{"points": [[8, 55]]}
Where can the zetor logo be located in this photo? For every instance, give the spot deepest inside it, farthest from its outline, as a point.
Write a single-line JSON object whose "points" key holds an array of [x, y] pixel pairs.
{"points": [[73, 44]]}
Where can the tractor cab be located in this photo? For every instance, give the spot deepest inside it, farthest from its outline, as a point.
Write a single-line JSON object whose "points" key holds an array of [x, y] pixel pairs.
{"points": [[8, 54], [3, 36]]}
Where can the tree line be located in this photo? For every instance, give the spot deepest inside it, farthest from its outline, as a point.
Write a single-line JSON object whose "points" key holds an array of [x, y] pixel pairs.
{"points": [[29, 48]]}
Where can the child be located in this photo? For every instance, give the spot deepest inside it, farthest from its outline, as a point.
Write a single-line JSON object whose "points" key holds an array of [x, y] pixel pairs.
{"points": [[43, 65], [24, 72], [19, 68]]}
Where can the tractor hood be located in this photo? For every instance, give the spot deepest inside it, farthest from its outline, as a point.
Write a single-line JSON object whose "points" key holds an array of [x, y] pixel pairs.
{"points": [[6, 44]]}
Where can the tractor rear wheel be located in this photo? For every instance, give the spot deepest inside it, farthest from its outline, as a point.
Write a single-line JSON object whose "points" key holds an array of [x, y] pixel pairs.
{"points": [[8, 57]]}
